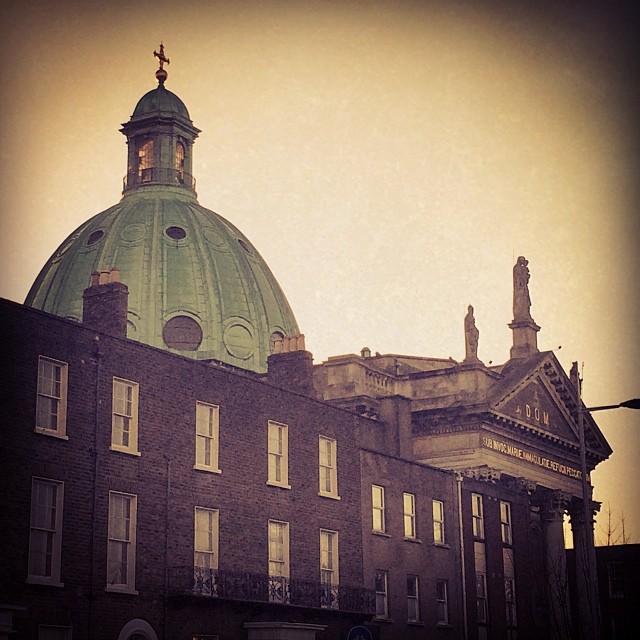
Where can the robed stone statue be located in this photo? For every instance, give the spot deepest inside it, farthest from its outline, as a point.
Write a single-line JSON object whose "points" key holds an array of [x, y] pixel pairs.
{"points": [[471, 335], [521, 299]]}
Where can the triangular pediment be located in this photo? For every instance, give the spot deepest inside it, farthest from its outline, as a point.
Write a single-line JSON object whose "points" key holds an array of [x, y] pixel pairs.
{"points": [[541, 399]]}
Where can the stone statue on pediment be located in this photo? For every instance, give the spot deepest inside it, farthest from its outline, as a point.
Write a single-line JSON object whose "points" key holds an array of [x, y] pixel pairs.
{"points": [[521, 298]]}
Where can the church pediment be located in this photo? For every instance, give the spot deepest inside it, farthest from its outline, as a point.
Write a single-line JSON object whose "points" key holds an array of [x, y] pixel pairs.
{"points": [[541, 399]]}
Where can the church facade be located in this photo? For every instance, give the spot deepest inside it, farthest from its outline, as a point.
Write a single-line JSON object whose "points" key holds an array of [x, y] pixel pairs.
{"points": [[176, 467]]}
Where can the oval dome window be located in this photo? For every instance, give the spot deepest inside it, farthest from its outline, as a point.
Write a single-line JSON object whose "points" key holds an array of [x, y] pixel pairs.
{"points": [[182, 333], [95, 237], [176, 233]]}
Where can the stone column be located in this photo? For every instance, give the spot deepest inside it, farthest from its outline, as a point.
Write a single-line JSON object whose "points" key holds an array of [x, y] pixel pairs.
{"points": [[588, 622], [552, 511]]}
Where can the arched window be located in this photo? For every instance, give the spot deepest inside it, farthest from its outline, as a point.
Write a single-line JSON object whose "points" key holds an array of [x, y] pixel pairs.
{"points": [[180, 162], [145, 162]]}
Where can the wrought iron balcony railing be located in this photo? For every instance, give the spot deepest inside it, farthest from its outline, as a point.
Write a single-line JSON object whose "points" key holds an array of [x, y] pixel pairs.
{"points": [[258, 587], [158, 175]]}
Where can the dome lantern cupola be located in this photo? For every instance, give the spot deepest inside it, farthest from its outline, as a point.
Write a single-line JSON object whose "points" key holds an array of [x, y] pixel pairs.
{"points": [[197, 286], [160, 137]]}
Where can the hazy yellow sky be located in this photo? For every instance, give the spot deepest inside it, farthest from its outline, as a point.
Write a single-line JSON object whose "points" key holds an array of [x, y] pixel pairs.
{"points": [[390, 160]]}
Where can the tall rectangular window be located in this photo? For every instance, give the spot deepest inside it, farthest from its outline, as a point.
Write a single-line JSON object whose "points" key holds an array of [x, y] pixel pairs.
{"points": [[121, 554], [477, 515], [505, 522], [124, 426], [328, 467], [382, 594], [509, 586], [278, 561], [51, 403], [438, 521], [442, 602], [480, 563], [409, 516], [377, 502], [278, 453], [45, 532], [207, 426], [413, 599], [615, 578], [205, 545], [329, 568]]}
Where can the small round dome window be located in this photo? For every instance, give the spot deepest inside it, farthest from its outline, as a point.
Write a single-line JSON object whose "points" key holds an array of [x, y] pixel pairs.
{"points": [[176, 233], [244, 245], [95, 237], [182, 333]]}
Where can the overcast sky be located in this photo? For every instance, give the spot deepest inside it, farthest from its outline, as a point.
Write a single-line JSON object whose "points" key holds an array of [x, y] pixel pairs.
{"points": [[390, 161]]}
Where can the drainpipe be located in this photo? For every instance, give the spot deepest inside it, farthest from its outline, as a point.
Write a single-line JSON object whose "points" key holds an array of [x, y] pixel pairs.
{"points": [[465, 633], [97, 358]]}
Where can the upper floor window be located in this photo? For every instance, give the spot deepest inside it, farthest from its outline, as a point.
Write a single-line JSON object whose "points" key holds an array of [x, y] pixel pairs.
{"points": [[413, 600], [180, 161], [121, 552], [438, 521], [615, 578], [442, 602], [278, 453], [409, 507], [124, 426], [205, 545], [145, 162], [207, 427], [45, 532], [377, 503], [51, 404], [328, 467], [329, 568], [382, 594], [278, 561], [505, 522], [477, 515]]}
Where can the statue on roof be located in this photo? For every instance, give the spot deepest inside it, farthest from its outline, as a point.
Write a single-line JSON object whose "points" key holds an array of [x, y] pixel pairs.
{"points": [[471, 336], [521, 298]]}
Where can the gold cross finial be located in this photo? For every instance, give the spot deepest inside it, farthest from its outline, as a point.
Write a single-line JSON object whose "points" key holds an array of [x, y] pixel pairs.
{"points": [[161, 57]]}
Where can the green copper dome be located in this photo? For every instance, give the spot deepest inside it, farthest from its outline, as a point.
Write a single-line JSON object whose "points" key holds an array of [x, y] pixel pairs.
{"points": [[197, 286]]}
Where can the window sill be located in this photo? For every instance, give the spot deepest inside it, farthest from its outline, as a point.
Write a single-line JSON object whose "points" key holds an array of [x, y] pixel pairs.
{"points": [[51, 433], [130, 452], [331, 496], [199, 467], [443, 625], [111, 588], [415, 623], [442, 545], [44, 581], [384, 619], [279, 485], [414, 540], [382, 534]]}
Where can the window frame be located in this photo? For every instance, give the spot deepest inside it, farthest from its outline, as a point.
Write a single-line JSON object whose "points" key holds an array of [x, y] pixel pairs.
{"points": [[328, 465], [506, 523], [382, 596], [329, 568], [60, 430], [281, 455], [212, 438], [477, 516], [131, 541], [212, 531], [482, 603], [132, 447], [442, 602], [53, 577], [437, 511], [378, 509], [409, 516], [413, 599]]}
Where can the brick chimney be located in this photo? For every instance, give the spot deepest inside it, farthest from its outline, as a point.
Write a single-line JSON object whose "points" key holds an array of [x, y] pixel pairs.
{"points": [[290, 366], [105, 303]]}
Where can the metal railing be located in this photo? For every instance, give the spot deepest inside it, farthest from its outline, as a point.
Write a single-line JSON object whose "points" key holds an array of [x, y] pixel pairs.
{"points": [[258, 587], [158, 175]]}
